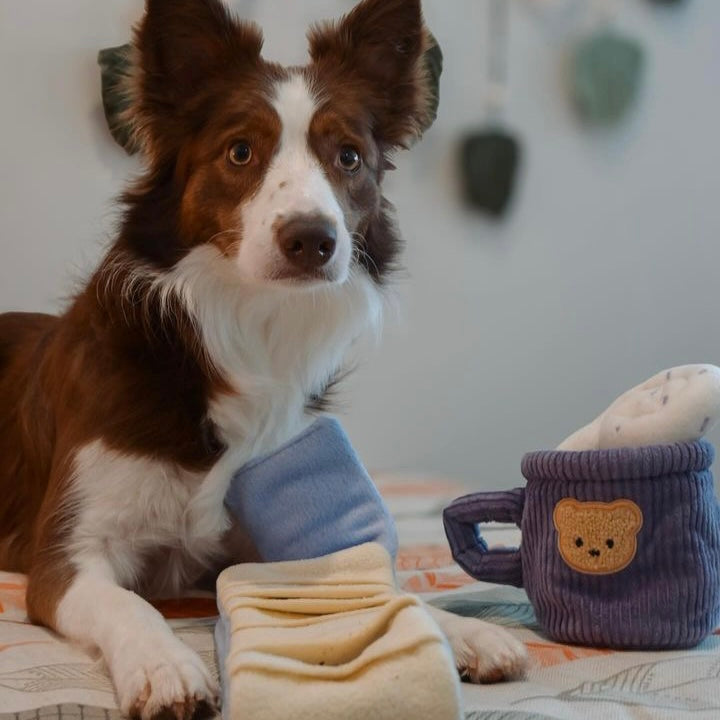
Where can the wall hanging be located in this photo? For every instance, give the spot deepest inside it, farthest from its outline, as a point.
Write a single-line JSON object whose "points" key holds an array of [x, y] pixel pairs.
{"points": [[490, 156], [606, 70], [606, 75], [114, 67]]}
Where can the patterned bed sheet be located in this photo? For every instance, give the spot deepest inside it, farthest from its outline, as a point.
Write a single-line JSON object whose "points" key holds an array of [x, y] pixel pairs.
{"points": [[45, 678]]}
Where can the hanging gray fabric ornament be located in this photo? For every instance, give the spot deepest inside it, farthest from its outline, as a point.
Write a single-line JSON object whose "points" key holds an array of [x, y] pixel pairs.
{"points": [[489, 163], [607, 70], [490, 157]]}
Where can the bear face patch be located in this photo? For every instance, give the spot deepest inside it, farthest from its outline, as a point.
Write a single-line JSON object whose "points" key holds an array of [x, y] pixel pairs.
{"points": [[596, 537]]}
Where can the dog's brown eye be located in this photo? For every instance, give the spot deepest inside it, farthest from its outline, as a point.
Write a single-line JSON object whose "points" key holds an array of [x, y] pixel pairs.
{"points": [[240, 153], [579, 542], [349, 159], [610, 543]]}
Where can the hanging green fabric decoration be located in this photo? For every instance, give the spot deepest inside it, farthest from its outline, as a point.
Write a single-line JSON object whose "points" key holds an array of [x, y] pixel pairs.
{"points": [[607, 71], [115, 66], [434, 65], [490, 157]]}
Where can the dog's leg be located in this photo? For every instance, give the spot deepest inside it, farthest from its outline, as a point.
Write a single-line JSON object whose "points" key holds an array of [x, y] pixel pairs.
{"points": [[154, 673], [483, 652]]}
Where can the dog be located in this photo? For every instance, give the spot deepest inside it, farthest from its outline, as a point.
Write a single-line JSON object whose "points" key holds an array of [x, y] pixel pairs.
{"points": [[252, 253]]}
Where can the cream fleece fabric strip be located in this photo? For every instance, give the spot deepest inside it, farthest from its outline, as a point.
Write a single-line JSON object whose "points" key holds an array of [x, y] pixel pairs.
{"points": [[330, 638]]}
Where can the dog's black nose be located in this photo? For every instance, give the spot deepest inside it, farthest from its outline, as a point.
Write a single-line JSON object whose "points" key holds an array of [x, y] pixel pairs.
{"points": [[307, 242], [594, 552]]}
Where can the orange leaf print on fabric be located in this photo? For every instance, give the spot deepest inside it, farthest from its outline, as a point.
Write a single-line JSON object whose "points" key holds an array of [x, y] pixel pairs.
{"points": [[549, 654], [419, 489], [7, 646], [435, 581], [12, 594], [424, 557]]}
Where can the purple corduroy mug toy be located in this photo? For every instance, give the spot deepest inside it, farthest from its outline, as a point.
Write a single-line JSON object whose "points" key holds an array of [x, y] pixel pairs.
{"points": [[620, 544], [620, 548]]}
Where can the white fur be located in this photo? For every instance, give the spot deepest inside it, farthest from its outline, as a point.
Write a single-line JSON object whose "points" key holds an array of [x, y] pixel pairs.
{"points": [[294, 184], [275, 346], [150, 667], [128, 506], [482, 651]]}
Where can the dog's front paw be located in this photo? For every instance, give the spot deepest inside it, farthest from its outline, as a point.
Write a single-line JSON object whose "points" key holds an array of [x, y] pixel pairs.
{"points": [[170, 682], [484, 652]]}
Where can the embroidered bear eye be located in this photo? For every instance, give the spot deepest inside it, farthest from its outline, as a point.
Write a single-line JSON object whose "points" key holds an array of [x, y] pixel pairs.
{"points": [[579, 542], [610, 543]]}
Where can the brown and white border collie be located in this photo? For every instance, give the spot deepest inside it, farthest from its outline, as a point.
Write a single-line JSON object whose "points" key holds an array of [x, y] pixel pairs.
{"points": [[251, 255]]}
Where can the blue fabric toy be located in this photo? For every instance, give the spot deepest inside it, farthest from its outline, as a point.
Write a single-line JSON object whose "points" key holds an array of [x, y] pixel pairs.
{"points": [[310, 498]]}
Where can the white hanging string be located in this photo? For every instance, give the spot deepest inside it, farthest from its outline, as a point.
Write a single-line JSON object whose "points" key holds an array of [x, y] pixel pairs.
{"points": [[564, 17], [557, 12], [498, 41], [603, 11]]}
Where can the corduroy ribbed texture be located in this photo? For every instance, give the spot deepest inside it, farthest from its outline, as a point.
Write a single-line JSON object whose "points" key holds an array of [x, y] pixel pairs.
{"points": [[650, 461], [668, 596], [470, 550]]}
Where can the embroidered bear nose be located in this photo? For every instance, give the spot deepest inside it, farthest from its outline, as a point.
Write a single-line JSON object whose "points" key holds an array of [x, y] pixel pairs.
{"points": [[594, 552], [308, 242]]}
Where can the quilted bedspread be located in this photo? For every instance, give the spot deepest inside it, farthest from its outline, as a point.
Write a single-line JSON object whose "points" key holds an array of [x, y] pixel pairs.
{"points": [[44, 678]]}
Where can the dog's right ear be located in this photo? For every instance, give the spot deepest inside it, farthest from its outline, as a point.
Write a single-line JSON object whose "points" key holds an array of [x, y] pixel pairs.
{"points": [[178, 46], [385, 44]]}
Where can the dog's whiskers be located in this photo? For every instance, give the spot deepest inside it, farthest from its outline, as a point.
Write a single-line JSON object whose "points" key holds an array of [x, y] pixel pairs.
{"points": [[224, 232], [360, 254]]}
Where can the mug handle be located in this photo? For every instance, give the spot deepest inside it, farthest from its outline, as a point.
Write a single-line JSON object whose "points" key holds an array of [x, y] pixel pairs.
{"points": [[471, 552]]}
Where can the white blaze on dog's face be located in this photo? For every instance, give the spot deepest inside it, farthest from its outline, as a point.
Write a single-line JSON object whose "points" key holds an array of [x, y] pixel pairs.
{"points": [[294, 227]]}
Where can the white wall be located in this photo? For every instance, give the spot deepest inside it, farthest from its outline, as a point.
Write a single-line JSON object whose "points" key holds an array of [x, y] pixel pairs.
{"points": [[512, 335]]}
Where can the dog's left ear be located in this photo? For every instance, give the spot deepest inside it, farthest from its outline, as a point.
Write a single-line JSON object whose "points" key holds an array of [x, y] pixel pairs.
{"points": [[386, 45]]}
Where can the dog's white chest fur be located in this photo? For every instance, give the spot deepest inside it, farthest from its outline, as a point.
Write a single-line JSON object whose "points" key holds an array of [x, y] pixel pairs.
{"points": [[129, 507]]}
